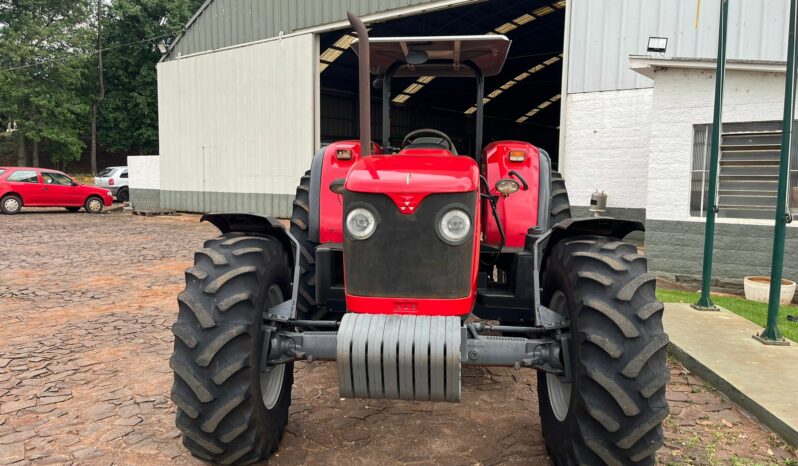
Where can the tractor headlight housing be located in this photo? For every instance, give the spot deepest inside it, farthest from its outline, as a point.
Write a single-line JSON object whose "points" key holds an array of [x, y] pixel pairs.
{"points": [[453, 225], [361, 223]]}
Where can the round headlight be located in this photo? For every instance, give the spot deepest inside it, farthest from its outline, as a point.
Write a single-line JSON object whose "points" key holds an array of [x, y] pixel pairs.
{"points": [[454, 226], [360, 223]]}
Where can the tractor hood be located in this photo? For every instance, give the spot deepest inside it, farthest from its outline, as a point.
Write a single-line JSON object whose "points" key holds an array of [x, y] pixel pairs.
{"points": [[420, 174]]}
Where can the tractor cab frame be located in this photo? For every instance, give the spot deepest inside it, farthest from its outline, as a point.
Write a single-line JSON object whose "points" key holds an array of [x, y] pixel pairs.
{"points": [[449, 57]]}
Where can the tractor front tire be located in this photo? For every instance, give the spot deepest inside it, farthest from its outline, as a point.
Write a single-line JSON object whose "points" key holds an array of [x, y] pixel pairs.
{"points": [[229, 409], [612, 410], [300, 224]]}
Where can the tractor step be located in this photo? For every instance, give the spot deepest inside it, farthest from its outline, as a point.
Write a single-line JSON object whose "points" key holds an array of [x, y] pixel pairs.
{"points": [[399, 357]]}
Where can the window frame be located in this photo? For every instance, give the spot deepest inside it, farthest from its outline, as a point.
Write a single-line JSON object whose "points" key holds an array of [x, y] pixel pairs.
{"points": [[55, 175], [754, 162], [36, 174]]}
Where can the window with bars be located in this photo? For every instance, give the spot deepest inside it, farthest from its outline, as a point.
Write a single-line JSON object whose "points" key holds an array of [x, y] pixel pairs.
{"points": [[749, 170]]}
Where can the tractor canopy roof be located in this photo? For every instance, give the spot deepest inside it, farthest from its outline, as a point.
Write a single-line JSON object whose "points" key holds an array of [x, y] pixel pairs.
{"points": [[438, 55]]}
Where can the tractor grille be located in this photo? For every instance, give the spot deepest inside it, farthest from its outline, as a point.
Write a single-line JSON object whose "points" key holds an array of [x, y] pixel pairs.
{"points": [[405, 257]]}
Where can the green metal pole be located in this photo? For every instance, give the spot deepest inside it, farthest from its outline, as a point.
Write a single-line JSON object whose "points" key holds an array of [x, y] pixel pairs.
{"points": [[771, 333], [705, 301]]}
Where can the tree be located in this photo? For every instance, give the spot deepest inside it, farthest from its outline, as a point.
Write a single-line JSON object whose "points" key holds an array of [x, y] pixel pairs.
{"points": [[101, 85], [43, 45], [129, 120]]}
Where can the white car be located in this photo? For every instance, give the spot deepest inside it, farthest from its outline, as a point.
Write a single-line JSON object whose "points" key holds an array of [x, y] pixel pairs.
{"points": [[115, 180]]}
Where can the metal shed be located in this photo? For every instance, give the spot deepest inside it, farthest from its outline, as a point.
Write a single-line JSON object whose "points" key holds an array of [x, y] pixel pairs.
{"points": [[239, 100]]}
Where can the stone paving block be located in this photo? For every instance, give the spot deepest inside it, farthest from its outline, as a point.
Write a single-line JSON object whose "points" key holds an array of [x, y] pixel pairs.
{"points": [[14, 406], [12, 453]]}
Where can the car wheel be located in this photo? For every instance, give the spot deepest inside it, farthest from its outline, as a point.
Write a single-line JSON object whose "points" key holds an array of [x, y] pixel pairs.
{"points": [[123, 195], [93, 205], [11, 204], [73, 209]]}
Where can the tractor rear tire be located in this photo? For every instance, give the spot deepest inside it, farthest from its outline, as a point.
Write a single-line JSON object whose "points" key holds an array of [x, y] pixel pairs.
{"points": [[560, 206], [300, 223], [229, 410], [612, 410]]}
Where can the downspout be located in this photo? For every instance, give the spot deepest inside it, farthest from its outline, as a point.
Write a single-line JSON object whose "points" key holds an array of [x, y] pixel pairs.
{"points": [[364, 83]]}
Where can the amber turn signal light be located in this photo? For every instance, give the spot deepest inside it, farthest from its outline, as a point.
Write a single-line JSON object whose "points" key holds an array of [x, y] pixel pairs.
{"points": [[517, 155]]}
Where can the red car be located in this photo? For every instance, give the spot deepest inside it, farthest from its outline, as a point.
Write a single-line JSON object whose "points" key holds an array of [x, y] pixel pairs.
{"points": [[42, 187]]}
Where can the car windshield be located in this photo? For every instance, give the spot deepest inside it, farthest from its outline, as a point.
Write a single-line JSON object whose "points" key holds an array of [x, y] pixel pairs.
{"points": [[105, 173]]}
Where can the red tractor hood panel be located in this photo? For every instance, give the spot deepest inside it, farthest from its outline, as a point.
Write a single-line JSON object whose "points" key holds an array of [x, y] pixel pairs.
{"points": [[413, 174]]}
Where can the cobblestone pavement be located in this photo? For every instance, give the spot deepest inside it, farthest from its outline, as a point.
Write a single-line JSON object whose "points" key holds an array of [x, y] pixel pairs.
{"points": [[87, 303]]}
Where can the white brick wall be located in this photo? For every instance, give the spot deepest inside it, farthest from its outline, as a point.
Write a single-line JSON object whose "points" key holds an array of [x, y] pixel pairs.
{"points": [[683, 98], [607, 145], [144, 171]]}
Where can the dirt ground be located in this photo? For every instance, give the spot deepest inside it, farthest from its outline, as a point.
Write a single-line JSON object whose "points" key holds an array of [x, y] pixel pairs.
{"points": [[87, 302]]}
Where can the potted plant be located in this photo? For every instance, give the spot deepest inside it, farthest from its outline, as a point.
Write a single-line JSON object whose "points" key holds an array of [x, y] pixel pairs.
{"points": [[757, 288]]}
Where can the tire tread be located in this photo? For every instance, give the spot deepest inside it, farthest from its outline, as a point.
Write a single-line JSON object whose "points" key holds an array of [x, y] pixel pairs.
{"points": [[620, 363], [217, 351]]}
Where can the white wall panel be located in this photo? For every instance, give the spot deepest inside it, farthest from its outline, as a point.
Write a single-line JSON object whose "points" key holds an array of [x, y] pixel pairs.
{"points": [[240, 120], [607, 146], [683, 98], [144, 171], [603, 33]]}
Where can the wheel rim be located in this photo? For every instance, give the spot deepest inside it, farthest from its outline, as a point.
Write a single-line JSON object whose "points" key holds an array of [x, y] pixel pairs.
{"points": [[94, 205], [11, 204], [559, 389], [271, 381]]}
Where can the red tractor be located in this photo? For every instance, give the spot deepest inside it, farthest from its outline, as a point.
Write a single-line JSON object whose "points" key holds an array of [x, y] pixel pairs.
{"points": [[397, 264]]}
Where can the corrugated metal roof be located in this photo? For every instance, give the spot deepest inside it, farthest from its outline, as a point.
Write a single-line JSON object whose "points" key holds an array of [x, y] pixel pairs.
{"points": [[225, 23], [604, 33]]}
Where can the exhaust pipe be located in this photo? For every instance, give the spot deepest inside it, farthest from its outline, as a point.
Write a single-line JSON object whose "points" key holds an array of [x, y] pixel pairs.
{"points": [[364, 83]]}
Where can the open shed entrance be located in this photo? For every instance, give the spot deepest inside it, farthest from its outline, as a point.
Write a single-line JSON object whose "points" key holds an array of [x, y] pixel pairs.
{"points": [[521, 103]]}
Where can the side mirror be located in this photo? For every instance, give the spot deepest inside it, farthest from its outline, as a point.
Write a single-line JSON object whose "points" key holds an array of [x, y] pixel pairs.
{"points": [[75, 183], [506, 186], [337, 186]]}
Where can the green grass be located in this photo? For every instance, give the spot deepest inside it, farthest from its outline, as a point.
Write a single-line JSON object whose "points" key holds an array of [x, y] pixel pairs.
{"points": [[84, 178], [753, 311]]}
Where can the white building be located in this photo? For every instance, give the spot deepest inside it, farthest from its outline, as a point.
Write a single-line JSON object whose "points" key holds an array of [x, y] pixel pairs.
{"points": [[251, 90]]}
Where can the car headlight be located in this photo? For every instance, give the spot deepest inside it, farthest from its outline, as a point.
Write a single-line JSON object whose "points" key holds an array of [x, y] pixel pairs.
{"points": [[110, 193], [360, 223], [454, 226]]}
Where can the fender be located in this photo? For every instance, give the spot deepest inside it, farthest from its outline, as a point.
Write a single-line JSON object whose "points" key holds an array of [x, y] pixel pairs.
{"points": [[326, 209], [529, 206], [269, 226], [600, 226]]}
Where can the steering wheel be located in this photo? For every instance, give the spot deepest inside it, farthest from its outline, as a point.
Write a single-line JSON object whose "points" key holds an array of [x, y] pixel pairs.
{"points": [[442, 138]]}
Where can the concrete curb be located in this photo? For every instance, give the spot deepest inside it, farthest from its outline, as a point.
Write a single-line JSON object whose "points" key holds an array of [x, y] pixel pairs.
{"points": [[787, 432]]}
